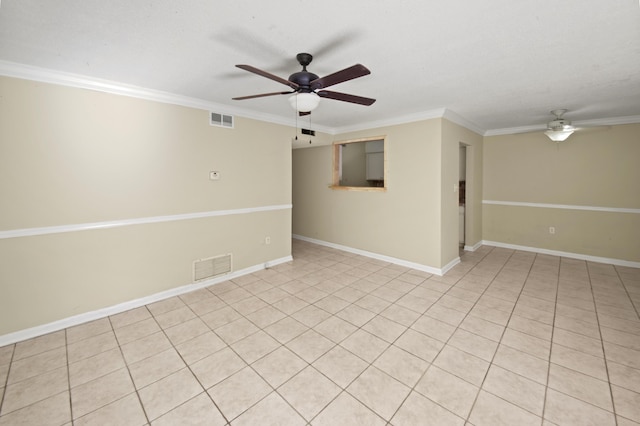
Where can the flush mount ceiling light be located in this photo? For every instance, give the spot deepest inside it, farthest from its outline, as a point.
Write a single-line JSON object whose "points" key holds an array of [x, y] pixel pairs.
{"points": [[559, 129], [558, 135], [304, 102]]}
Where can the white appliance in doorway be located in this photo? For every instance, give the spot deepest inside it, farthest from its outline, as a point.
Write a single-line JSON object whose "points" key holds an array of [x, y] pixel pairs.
{"points": [[461, 224]]}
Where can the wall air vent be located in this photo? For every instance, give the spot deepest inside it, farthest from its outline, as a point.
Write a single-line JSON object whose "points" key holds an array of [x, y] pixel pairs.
{"points": [[221, 120], [212, 267], [308, 132]]}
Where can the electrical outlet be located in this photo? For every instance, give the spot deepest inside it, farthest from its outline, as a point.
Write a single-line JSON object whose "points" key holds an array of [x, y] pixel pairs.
{"points": [[552, 230], [267, 240]]}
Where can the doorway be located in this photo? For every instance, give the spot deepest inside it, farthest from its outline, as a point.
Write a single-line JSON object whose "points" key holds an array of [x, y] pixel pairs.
{"points": [[462, 196]]}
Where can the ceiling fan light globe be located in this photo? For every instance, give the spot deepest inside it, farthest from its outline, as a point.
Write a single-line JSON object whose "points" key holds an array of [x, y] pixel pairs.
{"points": [[304, 102], [558, 135]]}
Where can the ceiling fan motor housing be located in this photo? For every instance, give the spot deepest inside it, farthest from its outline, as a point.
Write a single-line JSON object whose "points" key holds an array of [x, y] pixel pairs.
{"points": [[303, 79], [559, 124]]}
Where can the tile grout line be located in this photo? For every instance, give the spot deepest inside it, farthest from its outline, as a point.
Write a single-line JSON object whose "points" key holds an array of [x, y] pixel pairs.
{"points": [[369, 364], [66, 355], [411, 389], [342, 390], [358, 328], [335, 344], [173, 346], [6, 380], [557, 286], [626, 290], [604, 352], [274, 390], [235, 352], [444, 343], [580, 334], [589, 375], [515, 303], [553, 329], [126, 364]]}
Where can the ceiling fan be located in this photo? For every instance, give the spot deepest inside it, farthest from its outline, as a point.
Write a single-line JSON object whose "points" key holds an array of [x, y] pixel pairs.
{"points": [[308, 88], [559, 129]]}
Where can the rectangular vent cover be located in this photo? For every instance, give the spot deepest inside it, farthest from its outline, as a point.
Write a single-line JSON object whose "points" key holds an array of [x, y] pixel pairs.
{"points": [[221, 120], [308, 132], [211, 267]]}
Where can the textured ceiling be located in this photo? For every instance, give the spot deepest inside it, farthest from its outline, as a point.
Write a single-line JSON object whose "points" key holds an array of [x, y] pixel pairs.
{"points": [[497, 63]]}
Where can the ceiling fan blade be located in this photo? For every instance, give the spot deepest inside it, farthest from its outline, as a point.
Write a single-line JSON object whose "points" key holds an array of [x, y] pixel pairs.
{"points": [[303, 113], [346, 74], [268, 75], [345, 97], [262, 95]]}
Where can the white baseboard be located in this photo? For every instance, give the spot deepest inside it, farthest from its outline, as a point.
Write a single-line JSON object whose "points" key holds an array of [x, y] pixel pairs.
{"points": [[384, 258], [450, 265], [474, 247], [569, 255], [40, 330]]}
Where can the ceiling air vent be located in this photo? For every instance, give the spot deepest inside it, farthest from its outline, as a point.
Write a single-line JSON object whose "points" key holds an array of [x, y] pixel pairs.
{"points": [[208, 268], [221, 120]]}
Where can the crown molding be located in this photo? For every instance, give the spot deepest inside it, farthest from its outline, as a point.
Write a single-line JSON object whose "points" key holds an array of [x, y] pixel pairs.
{"points": [[461, 121], [393, 121], [44, 75], [410, 118], [515, 130], [28, 72], [613, 121]]}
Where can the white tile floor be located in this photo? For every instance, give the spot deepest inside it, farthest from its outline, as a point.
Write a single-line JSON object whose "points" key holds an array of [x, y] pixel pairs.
{"points": [[505, 338]]}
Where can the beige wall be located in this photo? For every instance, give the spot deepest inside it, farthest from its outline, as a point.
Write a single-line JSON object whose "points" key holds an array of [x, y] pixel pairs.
{"points": [[402, 222], [594, 168], [452, 135], [72, 156]]}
